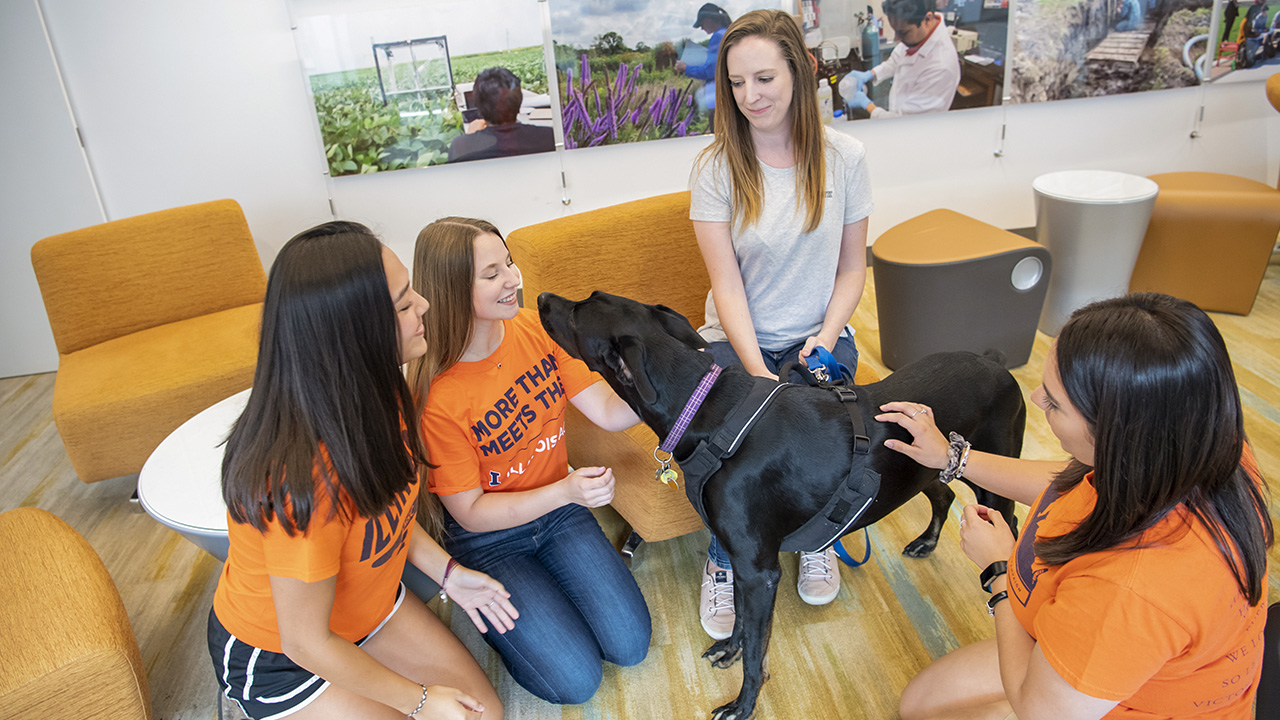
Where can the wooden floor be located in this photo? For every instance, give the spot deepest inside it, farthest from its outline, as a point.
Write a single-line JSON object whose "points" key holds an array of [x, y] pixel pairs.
{"points": [[847, 660]]}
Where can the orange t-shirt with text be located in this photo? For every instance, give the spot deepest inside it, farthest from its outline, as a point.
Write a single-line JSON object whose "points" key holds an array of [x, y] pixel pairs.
{"points": [[366, 554], [498, 424], [1163, 629]]}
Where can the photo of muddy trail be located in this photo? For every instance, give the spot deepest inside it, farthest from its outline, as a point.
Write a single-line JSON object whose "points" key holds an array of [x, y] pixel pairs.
{"points": [[1086, 48]]}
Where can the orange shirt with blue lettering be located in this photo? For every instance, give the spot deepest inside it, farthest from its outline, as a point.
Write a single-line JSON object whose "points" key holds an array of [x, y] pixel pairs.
{"points": [[1163, 629], [366, 554], [498, 424]]}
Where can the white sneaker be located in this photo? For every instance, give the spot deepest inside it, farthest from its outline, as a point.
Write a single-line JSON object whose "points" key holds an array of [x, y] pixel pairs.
{"points": [[819, 581], [717, 602]]}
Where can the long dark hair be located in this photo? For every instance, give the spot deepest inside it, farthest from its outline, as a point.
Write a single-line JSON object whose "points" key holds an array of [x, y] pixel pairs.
{"points": [[328, 372], [1152, 377]]}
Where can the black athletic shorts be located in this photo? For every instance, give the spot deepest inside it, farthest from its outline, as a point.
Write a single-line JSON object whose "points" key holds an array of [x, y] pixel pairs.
{"points": [[265, 684]]}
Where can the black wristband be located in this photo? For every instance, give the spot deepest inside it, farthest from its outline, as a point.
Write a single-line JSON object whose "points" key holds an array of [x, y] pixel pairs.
{"points": [[994, 600], [993, 571]]}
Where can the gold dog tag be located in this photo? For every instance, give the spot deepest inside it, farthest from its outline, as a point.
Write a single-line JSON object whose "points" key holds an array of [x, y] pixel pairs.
{"points": [[668, 476]]}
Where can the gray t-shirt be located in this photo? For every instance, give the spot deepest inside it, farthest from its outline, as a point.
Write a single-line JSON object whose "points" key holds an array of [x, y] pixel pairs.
{"points": [[788, 274]]}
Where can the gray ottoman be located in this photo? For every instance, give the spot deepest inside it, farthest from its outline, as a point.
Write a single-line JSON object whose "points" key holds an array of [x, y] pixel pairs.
{"points": [[945, 281]]}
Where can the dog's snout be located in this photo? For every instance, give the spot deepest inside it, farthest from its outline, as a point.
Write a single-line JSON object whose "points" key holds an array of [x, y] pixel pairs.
{"points": [[545, 299]]}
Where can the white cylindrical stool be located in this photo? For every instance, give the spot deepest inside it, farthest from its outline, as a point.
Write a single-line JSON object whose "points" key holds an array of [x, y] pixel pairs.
{"points": [[1092, 222]]}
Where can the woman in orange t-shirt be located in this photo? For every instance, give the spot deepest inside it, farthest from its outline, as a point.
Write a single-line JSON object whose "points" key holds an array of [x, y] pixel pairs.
{"points": [[494, 390], [1137, 589], [310, 619]]}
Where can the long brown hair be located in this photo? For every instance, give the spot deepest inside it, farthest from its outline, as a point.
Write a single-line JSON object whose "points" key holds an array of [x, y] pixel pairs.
{"points": [[444, 259], [1151, 375], [733, 144], [328, 374]]}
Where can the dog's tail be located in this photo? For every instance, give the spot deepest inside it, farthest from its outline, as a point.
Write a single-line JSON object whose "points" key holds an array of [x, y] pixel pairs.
{"points": [[996, 356]]}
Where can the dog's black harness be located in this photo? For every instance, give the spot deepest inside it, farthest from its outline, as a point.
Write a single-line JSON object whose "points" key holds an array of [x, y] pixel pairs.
{"points": [[850, 500]]}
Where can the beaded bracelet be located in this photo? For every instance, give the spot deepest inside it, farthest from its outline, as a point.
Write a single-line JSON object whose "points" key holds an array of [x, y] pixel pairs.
{"points": [[448, 568], [957, 458], [421, 702]]}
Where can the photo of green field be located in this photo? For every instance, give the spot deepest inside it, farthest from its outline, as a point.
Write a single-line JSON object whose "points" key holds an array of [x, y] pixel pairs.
{"points": [[390, 80], [363, 135]]}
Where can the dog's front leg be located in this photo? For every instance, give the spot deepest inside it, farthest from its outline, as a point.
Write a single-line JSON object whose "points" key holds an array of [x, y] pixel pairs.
{"points": [[940, 499], [755, 589]]}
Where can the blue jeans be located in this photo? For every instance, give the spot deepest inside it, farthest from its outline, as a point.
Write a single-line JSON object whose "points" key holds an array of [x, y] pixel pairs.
{"points": [[578, 603], [845, 352]]}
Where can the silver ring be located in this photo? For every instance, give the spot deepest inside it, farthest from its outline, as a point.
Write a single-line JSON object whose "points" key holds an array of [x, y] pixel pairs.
{"points": [[914, 414], [961, 522], [924, 410], [491, 602]]}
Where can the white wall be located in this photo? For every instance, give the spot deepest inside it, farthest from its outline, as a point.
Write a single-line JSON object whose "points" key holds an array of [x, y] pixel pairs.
{"points": [[185, 102], [46, 187]]}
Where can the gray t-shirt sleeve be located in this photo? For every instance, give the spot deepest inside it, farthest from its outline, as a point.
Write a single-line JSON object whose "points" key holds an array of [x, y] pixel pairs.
{"points": [[710, 199], [852, 156]]}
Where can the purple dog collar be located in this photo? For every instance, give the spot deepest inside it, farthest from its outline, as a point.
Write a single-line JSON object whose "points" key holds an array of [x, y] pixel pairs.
{"points": [[690, 409]]}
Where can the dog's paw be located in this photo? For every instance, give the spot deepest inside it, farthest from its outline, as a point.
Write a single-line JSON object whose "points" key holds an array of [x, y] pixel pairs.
{"points": [[732, 712], [723, 653], [920, 548]]}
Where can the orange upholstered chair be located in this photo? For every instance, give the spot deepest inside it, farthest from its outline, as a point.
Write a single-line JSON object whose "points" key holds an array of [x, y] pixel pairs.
{"points": [[155, 318], [69, 650], [644, 250], [1211, 236], [1209, 240]]}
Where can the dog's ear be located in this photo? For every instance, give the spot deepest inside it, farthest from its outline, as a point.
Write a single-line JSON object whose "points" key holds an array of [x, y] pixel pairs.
{"points": [[679, 327], [629, 365]]}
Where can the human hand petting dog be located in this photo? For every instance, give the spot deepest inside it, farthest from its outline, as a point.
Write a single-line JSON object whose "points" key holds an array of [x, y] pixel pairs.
{"points": [[928, 446], [589, 487], [984, 535]]}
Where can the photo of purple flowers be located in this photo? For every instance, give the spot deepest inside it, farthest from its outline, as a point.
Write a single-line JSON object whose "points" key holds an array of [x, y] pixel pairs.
{"points": [[635, 70]]}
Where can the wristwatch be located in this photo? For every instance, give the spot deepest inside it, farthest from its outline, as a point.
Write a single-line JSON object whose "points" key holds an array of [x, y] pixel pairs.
{"points": [[994, 600], [993, 571]]}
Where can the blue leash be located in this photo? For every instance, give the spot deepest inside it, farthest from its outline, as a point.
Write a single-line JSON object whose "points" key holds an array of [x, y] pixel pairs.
{"points": [[826, 364], [824, 367], [844, 554]]}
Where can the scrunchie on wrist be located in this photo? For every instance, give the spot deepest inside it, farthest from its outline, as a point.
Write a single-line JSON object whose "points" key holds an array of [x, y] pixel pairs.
{"points": [[957, 458]]}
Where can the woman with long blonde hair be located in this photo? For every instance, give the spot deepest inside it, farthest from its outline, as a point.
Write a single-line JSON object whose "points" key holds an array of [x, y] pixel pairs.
{"points": [[780, 206], [492, 391]]}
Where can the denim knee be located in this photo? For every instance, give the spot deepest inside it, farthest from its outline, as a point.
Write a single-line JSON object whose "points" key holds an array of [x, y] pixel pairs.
{"points": [[631, 648], [574, 689], [633, 654]]}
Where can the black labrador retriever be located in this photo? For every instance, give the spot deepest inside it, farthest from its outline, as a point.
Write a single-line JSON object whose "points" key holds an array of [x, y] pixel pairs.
{"points": [[797, 454]]}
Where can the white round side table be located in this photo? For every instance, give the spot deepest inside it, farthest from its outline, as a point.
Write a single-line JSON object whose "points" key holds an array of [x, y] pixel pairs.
{"points": [[180, 485], [1092, 222]]}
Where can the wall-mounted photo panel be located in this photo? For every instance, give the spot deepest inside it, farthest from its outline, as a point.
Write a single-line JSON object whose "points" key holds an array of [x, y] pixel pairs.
{"points": [[633, 70], [1248, 42], [1086, 48], [403, 85], [916, 57]]}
